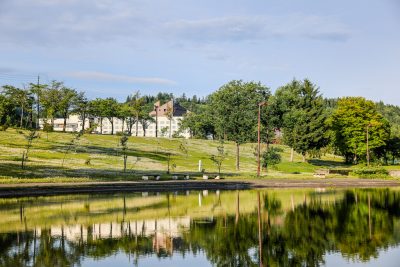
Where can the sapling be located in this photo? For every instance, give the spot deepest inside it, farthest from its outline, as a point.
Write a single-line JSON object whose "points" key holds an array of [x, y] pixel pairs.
{"points": [[219, 157], [29, 138]]}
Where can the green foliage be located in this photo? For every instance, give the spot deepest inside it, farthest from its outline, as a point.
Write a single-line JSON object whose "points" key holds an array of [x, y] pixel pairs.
{"points": [[350, 122], [234, 108], [271, 157], [370, 172], [302, 116]]}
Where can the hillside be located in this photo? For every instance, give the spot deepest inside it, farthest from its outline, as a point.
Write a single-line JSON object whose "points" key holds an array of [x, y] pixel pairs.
{"points": [[98, 157]]}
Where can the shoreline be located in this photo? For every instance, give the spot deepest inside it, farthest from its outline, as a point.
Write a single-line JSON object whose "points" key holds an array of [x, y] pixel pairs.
{"points": [[46, 189]]}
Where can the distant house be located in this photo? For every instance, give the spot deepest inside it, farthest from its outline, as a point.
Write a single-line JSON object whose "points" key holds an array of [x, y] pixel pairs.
{"points": [[159, 114]]}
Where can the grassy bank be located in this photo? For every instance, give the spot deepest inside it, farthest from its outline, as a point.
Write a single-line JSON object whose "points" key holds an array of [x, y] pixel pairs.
{"points": [[98, 158]]}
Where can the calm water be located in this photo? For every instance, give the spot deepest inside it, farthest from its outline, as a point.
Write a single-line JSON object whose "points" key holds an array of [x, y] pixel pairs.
{"points": [[357, 227]]}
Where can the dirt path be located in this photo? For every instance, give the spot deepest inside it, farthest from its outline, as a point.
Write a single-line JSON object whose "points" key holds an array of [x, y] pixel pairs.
{"points": [[37, 189]]}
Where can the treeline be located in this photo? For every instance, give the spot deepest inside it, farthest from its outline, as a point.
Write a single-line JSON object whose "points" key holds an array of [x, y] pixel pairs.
{"points": [[24, 107], [298, 115]]}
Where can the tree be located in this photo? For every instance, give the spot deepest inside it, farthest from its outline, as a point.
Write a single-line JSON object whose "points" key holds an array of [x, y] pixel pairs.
{"points": [[98, 109], [137, 108], [350, 122], [219, 157], [304, 124], [271, 157], [170, 116], [124, 144], [29, 139], [82, 107], [20, 97], [123, 113], [37, 90], [234, 109], [50, 101], [110, 110], [68, 98], [199, 124], [145, 120]]}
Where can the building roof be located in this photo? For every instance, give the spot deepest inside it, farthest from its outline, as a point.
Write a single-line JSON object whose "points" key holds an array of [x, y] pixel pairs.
{"points": [[178, 110]]}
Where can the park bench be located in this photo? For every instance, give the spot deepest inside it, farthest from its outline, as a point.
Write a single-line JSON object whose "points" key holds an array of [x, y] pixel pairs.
{"points": [[321, 173], [155, 177], [178, 176], [211, 176]]}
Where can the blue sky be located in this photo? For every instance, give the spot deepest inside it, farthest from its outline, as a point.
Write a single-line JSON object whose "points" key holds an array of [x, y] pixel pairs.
{"points": [[114, 48]]}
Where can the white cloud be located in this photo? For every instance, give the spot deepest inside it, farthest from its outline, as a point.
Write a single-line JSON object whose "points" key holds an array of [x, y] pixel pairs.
{"points": [[103, 76], [250, 28]]}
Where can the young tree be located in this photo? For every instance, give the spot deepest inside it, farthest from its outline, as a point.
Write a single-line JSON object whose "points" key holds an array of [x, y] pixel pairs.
{"points": [[124, 144], [29, 139], [271, 157], [354, 118], [219, 158], [234, 108]]}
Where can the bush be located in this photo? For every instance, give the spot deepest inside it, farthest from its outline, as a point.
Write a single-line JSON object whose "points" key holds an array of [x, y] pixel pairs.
{"points": [[271, 157], [370, 172]]}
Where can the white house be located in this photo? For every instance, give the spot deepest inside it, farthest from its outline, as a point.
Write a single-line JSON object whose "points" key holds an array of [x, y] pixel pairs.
{"points": [[166, 125]]}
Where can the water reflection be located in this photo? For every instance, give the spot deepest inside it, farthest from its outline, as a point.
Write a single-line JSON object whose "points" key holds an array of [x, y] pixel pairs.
{"points": [[246, 228]]}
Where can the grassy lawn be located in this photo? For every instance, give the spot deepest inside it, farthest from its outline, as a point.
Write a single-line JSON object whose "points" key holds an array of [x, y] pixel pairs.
{"points": [[98, 158]]}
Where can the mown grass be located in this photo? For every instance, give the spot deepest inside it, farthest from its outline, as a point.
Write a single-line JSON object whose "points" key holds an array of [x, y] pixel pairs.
{"points": [[98, 157]]}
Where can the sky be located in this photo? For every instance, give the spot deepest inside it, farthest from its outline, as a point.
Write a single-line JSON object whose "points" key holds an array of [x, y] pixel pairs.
{"points": [[113, 48]]}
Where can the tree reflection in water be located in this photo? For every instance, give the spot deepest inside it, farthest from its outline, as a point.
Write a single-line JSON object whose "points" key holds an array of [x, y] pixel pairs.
{"points": [[358, 225]]}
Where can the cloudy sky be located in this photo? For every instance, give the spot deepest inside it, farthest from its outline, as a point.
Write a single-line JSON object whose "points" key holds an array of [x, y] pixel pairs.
{"points": [[116, 47]]}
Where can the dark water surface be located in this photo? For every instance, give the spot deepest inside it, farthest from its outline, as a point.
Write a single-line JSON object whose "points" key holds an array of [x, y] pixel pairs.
{"points": [[299, 227]]}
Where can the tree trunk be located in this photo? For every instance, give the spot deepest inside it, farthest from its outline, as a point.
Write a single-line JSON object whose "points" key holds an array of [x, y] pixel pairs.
{"points": [[170, 128], [22, 116], [304, 157], [83, 121], [237, 157], [137, 124], [291, 154], [112, 126], [101, 125], [65, 123]]}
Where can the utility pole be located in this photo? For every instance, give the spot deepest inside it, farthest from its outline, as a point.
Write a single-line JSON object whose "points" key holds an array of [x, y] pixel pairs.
{"points": [[368, 144], [38, 102], [156, 108], [258, 137]]}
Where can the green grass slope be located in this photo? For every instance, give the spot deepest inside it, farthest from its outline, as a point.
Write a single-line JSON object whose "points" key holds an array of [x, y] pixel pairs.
{"points": [[146, 156]]}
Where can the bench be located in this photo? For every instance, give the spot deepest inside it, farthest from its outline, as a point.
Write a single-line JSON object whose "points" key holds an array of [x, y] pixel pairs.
{"points": [[321, 173], [176, 176], [155, 177]]}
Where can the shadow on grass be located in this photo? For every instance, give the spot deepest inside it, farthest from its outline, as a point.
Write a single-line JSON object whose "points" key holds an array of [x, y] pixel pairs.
{"points": [[154, 155], [327, 163], [13, 170]]}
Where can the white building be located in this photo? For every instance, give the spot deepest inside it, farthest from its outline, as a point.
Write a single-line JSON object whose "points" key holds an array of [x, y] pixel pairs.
{"points": [[165, 127]]}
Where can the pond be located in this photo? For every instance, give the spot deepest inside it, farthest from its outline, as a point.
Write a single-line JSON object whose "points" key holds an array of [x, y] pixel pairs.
{"points": [[281, 227]]}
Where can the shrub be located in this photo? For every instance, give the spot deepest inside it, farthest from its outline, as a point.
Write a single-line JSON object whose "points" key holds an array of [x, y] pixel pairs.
{"points": [[370, 172], [271, 157]]}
